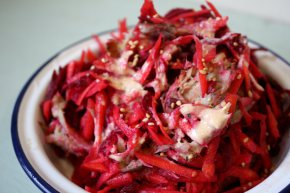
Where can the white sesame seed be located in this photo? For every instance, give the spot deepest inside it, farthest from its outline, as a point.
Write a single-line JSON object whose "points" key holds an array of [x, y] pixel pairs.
{"points": [[235, 44], [203, 60], [105, 75], [239, 76], [250, 184], [193, 174], [87, 74], [133, 44], [147, 115], [178, 103], [202, 71], [190, 156], [268, 147], [162, 154], [151, 124], [135, 60], [141, 47], [97, 80], [246, 139], [145, 119], [104, 60], [250, 94], [243, 164], [123, 110], [172, 105], [156, 15], [92, 67]]}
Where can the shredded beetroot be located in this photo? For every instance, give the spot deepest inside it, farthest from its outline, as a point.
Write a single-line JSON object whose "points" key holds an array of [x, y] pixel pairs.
{"points": [[176, 104]]}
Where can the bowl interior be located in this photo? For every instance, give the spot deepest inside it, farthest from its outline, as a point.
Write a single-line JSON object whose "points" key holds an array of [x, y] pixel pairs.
{"points": [[56, 172]]}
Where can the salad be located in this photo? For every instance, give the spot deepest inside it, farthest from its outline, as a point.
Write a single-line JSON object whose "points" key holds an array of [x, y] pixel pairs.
{"points": [[176, 104]]}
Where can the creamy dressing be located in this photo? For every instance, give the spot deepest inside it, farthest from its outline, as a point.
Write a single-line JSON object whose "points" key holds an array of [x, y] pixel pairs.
{"points": [[123, 60], [57, 109], [208, 99], [126, 84], [110, 127], [186, 109], [242, 62], [116, 157], [219, 58], [189, 108], [206, 48], [211, 122], [168, 51], [119, 70], [115, 99], [119, 66], [190, 90], [185, 147], [225, 80], [138, 76]]}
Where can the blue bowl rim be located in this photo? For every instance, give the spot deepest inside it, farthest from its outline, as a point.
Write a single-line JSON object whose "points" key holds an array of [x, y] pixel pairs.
{"points": [[26, 166]]}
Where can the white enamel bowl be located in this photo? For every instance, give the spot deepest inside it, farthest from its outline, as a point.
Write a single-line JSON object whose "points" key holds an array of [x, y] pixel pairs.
{"points": [[51, 174]]}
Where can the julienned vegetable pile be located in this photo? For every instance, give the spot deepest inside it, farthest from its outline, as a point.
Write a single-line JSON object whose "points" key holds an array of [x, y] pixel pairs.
{"points": [[177, 104]]}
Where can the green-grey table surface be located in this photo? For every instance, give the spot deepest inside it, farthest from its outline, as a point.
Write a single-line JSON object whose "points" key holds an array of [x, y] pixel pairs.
{"points": [[32, 31]]}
